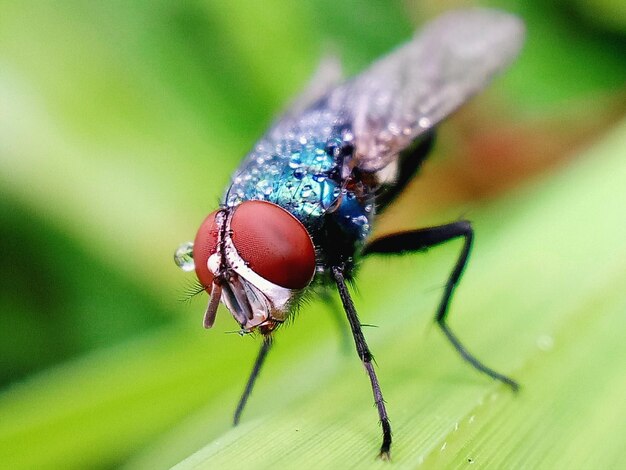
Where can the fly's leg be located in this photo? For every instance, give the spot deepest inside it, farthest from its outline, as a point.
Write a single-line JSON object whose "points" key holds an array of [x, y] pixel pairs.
{"points": [[420, 240], [336, 313], [260, 359], [366, 357]]}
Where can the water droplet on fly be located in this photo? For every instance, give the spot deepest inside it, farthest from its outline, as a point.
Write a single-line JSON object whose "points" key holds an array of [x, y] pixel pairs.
{"points": [[307, 191], [184, 257], [264, 187], [299, 173], [424, 122], [295, 161]]}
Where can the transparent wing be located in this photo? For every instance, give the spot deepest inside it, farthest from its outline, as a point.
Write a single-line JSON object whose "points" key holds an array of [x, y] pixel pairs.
{"points": [[327, 76], [406, 93]]}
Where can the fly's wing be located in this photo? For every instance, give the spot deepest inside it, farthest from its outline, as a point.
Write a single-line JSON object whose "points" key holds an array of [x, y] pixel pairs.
{"points": [[406, 93], [326, 77]]}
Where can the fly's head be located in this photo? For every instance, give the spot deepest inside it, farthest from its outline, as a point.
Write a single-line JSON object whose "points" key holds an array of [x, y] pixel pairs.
{"points": [[256, 258]]}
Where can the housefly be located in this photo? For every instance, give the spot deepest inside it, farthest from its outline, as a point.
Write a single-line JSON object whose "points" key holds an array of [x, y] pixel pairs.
{"points": [[298, 213]]}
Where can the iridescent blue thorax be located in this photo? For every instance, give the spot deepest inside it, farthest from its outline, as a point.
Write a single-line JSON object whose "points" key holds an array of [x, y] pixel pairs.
{"points": [[302, 175]]}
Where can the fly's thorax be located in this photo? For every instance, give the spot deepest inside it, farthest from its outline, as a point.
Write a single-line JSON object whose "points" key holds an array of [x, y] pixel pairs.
{"points": [[256, 258], [299, 173], [304, 175]]}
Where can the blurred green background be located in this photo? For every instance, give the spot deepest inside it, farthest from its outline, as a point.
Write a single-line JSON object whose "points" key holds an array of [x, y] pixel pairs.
{"points": [[120, 123]]}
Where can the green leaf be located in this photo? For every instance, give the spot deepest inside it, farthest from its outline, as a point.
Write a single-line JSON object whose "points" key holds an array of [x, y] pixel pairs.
{"points": [[120, 123], [542, 300]]}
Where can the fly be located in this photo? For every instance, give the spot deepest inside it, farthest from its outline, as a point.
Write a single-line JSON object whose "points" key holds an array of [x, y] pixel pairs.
{"points": [[299, 211]]}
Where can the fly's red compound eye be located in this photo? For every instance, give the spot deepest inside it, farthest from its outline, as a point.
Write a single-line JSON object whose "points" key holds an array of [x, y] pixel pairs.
{"points": [[204, 246], [274, 243]]}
